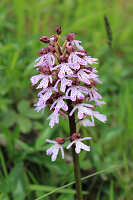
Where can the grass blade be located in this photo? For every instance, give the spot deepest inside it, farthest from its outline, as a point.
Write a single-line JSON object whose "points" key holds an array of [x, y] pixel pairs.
{"points": [[51, 188], [86, 177]]}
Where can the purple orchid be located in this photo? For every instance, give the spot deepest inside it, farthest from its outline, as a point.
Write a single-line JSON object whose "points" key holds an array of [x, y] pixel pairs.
{"points": [[66, 74]]}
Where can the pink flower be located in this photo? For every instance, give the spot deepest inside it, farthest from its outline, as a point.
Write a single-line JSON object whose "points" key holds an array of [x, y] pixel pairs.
{"points": [[34, 79], [59, 104], [74, 58], [79, 144], [54, 119], [41, 104], [82, 109], [76, 91], [100, 103], [84, 77], [76, 42], [54, 149], [87, 123], [90, 60], [46, 93], [46, 59], [43, 83], [65, 68], [39, 61], [94, 95], [50, 60], [65, 82], [99, 116]]}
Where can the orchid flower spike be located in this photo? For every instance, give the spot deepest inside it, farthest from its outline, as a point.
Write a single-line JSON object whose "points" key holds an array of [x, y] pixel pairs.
{"points": [[76, 139], [67, 74]]}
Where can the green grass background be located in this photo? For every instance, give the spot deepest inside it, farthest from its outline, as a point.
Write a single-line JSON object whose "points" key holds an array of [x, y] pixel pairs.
{"points": [[25, 170]]}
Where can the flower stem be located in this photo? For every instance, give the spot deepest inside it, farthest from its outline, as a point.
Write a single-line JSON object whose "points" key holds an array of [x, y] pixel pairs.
{"points": [[72, 126]]}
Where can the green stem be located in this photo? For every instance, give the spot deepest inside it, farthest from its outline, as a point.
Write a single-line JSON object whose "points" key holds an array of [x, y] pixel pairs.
{"points": [[72, 126]]}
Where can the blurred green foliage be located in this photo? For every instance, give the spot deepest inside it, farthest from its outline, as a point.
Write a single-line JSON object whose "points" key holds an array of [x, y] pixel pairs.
{"points": [[25, 171]]}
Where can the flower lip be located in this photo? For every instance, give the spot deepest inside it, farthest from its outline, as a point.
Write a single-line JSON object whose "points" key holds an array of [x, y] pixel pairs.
{"points": [[45, 39], [60, 140], [75, 136]]}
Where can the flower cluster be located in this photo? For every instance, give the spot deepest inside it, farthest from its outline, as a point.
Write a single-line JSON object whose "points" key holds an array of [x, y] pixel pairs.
{"points": [[66, 73], [75, 138]]}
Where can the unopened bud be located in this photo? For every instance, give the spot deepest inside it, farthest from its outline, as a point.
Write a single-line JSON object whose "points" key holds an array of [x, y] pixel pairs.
{"points": [[58, 30], [45, 39]]}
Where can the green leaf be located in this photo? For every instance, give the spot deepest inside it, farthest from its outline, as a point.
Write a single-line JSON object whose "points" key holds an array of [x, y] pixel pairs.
{"points": [[4, 186], [31, 113], [4, 197], [44, 135], [3, 163], [9, 118], [17, 183], [112, 190], [15, 133], [38, 125], [111, 133], [3, 103], [24, 124], [23, 106]]}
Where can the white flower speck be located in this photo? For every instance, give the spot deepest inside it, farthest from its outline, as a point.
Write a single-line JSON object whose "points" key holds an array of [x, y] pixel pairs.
{"points": [[54, 150], [79, 145]]}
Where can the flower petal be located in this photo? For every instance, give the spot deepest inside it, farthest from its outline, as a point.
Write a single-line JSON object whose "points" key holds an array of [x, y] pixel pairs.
{"points": [[70, 144], [51, 141], [85, 147], [62, 151]]}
